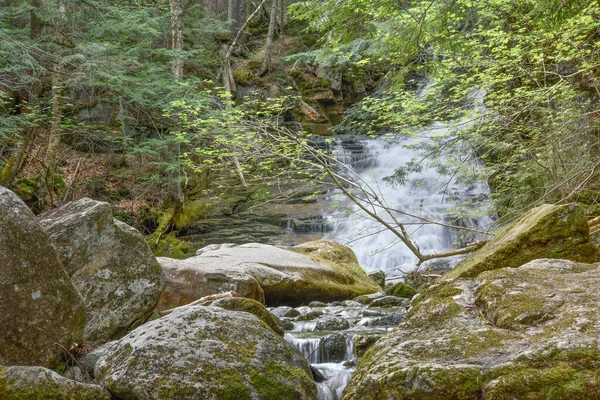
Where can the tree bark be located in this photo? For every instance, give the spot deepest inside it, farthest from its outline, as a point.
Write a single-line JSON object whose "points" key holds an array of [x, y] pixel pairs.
{"points": [[50, 160], [236, 13], [268, 60], [216, 7], [177, 37]]}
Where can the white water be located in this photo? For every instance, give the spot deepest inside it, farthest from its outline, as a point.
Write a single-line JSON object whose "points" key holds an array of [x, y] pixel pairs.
{"points": [[423, 195]]}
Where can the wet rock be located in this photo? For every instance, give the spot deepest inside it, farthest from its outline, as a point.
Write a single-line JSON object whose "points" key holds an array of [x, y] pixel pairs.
{"points": [[317, 375], [333, 348], [317, 304], [199, 352], [332, 324], [285, 312], [378, 277], [547, 231], [362, 343], [109, 263], [351, 304], [392, 319], [41, 312], [308, 314], [368, 298], [253, 307], [401, 289], [527, 332], [40, 383], [288, 325], [388, 301]]}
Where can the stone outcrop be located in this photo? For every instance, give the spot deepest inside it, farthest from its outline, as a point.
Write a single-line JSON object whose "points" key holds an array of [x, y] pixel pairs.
{"points": [[41, 313], [547, 231], [109, 263], [20, 383], [322, 271], [528, 333], [199, 352]]}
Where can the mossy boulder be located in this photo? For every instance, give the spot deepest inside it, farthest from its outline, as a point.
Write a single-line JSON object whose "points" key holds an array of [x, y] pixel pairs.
{"points": [[548, 231], [253, 307], [201, 352], [401, 289], [25, 383], [110, 264], [41, 312], [527, 333], [319, 271]]}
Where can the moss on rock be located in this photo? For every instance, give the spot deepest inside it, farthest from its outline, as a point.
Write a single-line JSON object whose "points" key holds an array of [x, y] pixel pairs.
{"points": [[547, 231]]}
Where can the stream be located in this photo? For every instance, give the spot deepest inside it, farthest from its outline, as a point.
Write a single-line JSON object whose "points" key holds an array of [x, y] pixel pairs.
{"points": [[330, 348]]}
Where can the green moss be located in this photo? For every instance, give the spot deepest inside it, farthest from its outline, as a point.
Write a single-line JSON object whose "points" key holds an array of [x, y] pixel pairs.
{"points": [[560, 381], [544, 232], [244, 74], [402, 290], [173, 247], [274, 381], [191, 212]]}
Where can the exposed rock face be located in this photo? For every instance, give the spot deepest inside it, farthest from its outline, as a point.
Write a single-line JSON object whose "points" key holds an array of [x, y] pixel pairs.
{"points": [[201, 352], [40, 309], [547, 231], [18, 383], [529, 333], [323, 271], [110, 264]]}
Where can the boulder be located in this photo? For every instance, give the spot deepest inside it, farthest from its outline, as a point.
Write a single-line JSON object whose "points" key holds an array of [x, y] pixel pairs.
{"points": [[191, 279], [109, 263], [285, 312], [20, 383], [388, 301], [378, 277], [548, 231], [332, 324], [253, 307], [199, 352], [324, 271], [41, 313], [527, 333], [367, 299], [401, 289]]}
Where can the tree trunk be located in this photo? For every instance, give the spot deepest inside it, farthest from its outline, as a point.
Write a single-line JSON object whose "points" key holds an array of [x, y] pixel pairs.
{"points": [[268, 61], [216, 7], [177, 37], [236, 13], [50, 160]]}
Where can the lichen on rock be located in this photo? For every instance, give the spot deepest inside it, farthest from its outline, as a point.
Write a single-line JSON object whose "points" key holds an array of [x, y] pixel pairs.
{"points": [[527, 332]]}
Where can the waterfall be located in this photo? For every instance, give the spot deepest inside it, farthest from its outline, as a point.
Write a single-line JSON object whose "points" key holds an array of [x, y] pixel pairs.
{"points": [[425, 194]]}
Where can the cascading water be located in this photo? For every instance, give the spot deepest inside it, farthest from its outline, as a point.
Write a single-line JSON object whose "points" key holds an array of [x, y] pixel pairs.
{"points": [[424, 195]]}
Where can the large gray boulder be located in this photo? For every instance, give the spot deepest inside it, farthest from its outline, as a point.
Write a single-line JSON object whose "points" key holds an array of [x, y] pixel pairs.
{"points": [[190, 279], [21, 383], [512, 333], [110, 264], [322, 271], [199, 352], [41, 313]]}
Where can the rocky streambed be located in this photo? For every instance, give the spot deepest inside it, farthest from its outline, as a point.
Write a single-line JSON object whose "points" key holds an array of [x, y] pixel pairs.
{"points": [[88, 313]]}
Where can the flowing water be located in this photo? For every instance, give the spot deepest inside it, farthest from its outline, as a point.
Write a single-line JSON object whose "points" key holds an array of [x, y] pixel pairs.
{"points": [[329, 347], [426, 195]]}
